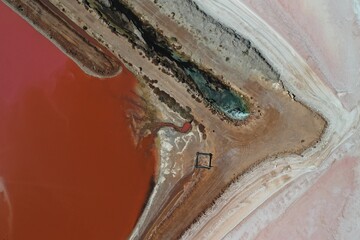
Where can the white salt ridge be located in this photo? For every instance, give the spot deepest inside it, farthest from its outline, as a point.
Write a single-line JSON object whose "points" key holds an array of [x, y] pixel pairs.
{"points": [[6, 201], [243, 198], [356, 7]]}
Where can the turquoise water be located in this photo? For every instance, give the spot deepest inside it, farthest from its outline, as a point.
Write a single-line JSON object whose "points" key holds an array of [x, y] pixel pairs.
{"points": [[222, 99]]}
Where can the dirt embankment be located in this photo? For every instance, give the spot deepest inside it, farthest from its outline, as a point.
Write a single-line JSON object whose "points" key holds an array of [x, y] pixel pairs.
{"points": [[73, 39]]}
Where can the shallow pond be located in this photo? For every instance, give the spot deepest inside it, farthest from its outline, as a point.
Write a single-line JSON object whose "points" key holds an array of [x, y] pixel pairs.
{"points": [[69, 168]]}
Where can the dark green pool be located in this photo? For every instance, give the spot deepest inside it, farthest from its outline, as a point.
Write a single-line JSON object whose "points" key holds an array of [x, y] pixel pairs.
{"points": [[219, 97]]}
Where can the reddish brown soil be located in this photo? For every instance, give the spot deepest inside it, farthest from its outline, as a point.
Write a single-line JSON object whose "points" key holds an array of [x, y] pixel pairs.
{"points": [[67, 157]]}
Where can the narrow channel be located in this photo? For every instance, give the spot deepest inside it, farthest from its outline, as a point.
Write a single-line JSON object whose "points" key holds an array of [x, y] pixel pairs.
{"points": [[216, 94]]}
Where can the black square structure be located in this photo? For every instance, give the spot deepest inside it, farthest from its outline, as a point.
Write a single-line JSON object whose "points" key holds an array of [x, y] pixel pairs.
{"points": [[203, 160]]}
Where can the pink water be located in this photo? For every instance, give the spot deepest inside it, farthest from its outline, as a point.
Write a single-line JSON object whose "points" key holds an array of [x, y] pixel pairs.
{"points": [[69, 168]]}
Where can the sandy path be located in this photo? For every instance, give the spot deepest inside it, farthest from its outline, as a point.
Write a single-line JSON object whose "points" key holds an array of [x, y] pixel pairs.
{"points": [[246, 212]]}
